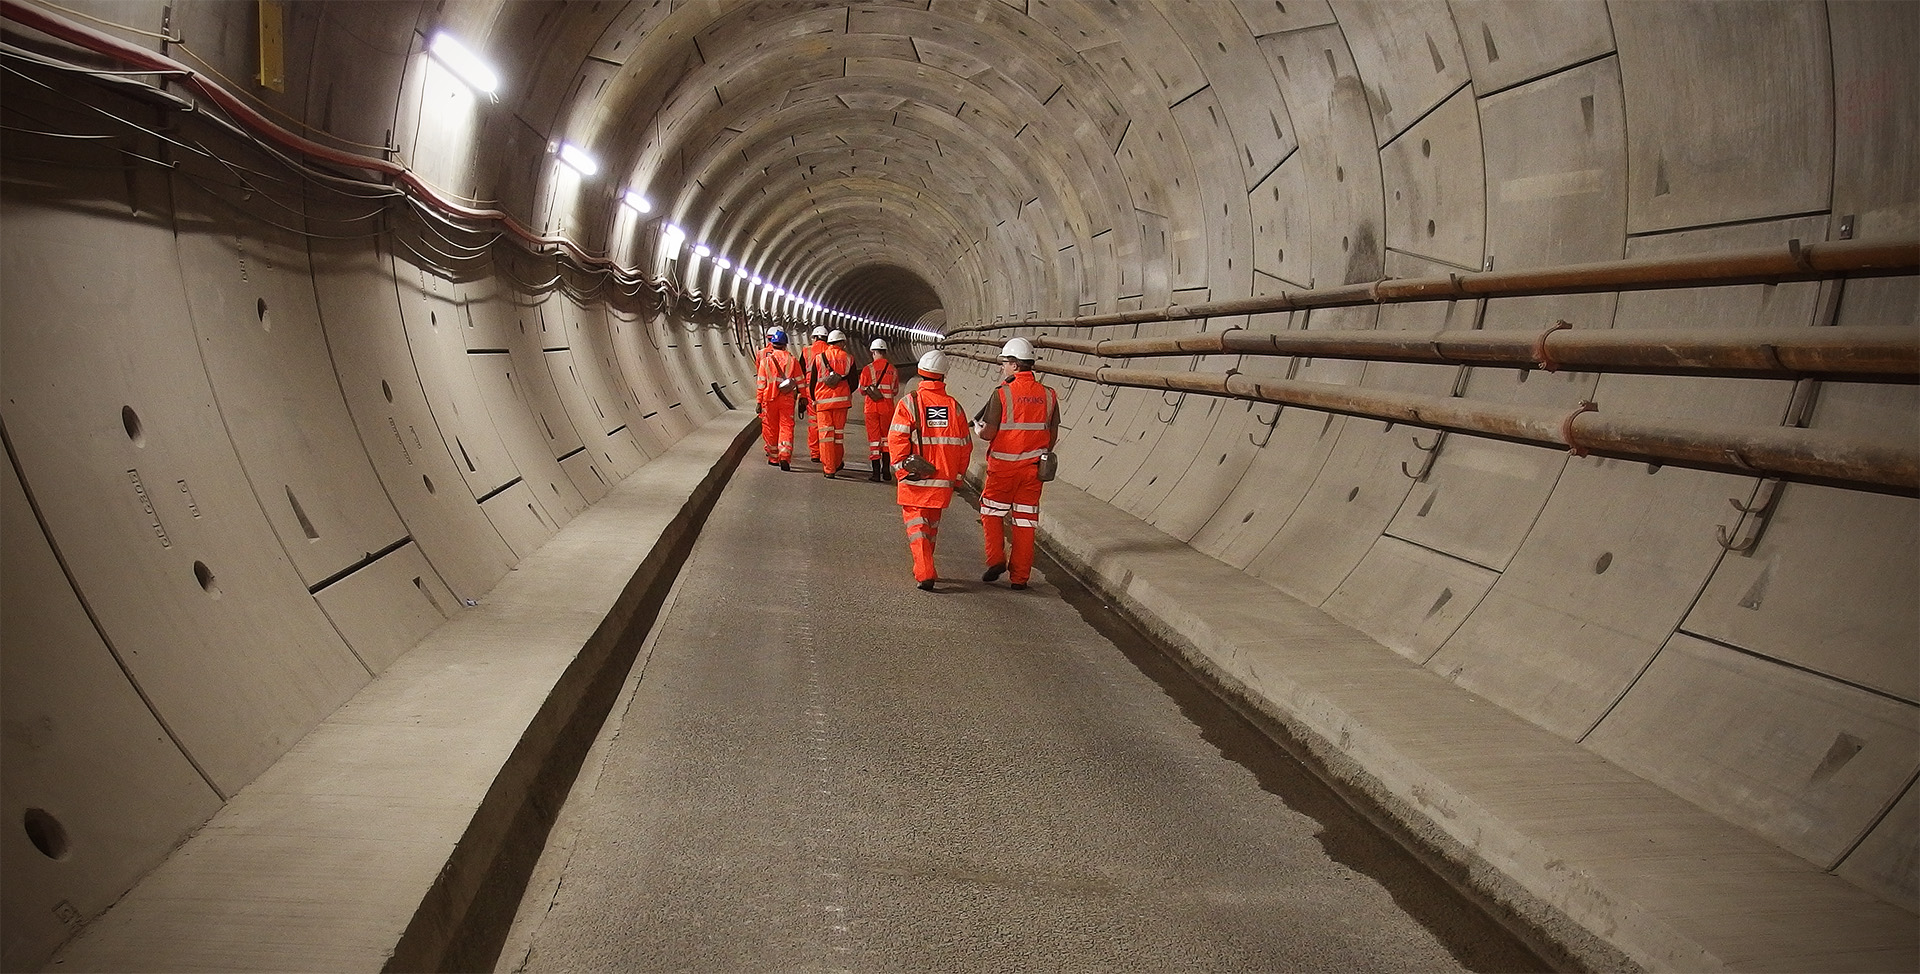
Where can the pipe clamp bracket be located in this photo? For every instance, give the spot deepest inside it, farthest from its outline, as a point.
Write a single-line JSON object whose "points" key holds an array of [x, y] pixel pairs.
{"points": [[1540, 355], [1566, 425]]}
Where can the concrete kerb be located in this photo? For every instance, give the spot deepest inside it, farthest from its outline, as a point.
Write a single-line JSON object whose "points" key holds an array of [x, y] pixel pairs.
{"points": [[399, 833], [1572, 920], [463, 921]]}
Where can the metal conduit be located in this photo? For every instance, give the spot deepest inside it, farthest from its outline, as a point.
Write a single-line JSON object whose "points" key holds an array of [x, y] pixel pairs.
{"points": [[1884, 466], [1794, 262], [1857, 354]]}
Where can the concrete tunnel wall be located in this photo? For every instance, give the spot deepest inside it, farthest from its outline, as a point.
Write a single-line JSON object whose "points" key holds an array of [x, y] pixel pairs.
{"points": [[270, 442]]}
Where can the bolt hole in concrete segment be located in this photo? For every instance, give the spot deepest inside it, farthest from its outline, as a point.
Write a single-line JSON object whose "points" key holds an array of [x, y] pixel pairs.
{"points": [[821, 768]]}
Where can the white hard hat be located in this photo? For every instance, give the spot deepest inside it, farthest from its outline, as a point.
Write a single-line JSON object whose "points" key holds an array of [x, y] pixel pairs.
{"points": [[879, 345], [818, 331], [934, 362], [836, 336], [1018, 348]]}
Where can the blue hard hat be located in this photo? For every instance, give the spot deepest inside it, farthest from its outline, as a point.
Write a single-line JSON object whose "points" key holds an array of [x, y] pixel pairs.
{"points": [[778, 336]]}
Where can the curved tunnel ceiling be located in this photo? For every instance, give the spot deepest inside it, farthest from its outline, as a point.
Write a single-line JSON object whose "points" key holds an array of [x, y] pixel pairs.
{"points": [[895, 159]]}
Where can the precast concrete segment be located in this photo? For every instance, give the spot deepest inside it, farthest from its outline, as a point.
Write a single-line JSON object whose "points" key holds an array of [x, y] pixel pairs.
{"points": [[514, 402], [824, 768], [395, 833], [433, 322], [82, 747], [120, 436], [1623, 871], [394, 415]]}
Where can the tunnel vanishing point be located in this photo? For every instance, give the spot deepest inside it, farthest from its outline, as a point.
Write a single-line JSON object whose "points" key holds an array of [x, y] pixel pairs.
{"points": [[1563, 353]]}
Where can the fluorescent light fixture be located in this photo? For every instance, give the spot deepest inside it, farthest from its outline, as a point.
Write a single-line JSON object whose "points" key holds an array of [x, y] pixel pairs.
{"points": [[632, 200], [754, 279], [703, 250], [578, 159], [672, 236], [723, 263], [464, 64]]}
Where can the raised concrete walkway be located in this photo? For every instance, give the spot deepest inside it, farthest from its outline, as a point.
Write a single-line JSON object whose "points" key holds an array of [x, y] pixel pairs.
{"points": [[1621, 871], [399, 833]]}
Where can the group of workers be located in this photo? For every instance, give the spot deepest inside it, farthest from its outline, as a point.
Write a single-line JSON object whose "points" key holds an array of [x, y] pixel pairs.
{"points": [[921, 442]]}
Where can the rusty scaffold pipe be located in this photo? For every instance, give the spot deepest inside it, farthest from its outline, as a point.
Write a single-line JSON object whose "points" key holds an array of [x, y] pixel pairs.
{"points": [[1879, 465], [1794, 262], [1856, 353]]}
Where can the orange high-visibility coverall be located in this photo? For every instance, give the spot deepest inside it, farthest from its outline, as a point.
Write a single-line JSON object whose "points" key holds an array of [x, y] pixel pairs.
{"points": [[776, 407], [936, 422], [831, 400], [880, 379], [813, 424], [1019, 426]]}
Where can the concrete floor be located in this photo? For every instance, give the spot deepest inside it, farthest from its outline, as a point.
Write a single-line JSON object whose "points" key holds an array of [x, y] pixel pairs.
{"points": [[819, 767]]}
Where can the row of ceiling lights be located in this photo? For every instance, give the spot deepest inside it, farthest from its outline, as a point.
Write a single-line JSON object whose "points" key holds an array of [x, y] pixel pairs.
{"points": [[482, 79]]}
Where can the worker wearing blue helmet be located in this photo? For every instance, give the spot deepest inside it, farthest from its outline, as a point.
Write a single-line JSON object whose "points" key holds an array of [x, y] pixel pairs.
{"points": [[777, 386]]}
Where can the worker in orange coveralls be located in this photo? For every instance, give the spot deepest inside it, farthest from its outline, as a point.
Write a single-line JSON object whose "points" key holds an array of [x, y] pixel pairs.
{"points": [[759, 354], [1020, 424], [930, 446], [879, 382], [778, 384], [833, 379], [806, 392]]}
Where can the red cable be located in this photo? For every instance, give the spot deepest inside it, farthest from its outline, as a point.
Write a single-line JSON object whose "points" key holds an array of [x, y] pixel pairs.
{"points": [[138, 57]]}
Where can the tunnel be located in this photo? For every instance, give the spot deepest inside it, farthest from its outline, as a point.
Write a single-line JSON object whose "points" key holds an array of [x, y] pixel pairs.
{"points": [[1511, 404]]}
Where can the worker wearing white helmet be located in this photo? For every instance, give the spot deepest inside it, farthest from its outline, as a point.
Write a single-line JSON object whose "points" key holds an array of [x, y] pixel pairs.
{"points": [[1021, 424], [807, 358], [931, 450], [832, 373], [879, 383]]}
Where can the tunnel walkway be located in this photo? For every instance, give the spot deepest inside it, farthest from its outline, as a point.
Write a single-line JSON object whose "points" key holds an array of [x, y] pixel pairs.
{"points": [[820, 767]]}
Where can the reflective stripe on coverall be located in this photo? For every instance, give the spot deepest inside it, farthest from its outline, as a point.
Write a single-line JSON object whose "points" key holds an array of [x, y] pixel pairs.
{"points": [[1011, 490], [882, 377], [830, 405], [813, 424], [933, 418], [776, 407]]}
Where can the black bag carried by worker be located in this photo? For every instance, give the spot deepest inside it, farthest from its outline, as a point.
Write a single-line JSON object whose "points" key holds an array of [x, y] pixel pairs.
{"points": [[918, 466]]}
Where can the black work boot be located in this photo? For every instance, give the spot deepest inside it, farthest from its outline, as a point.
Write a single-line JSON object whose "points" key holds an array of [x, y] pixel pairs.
{"points": [[877, 474]]}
